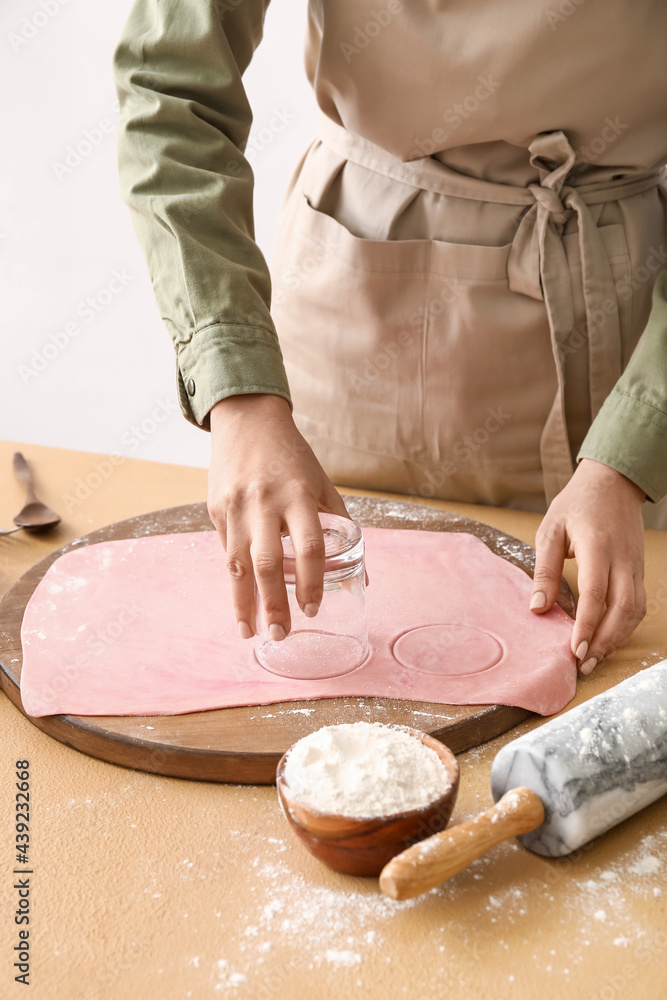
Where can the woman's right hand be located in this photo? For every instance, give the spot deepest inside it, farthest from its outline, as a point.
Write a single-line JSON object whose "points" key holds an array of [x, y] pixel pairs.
{"points": [[264, 479]]}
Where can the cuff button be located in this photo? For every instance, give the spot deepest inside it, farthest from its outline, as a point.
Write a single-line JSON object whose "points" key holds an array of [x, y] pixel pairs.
{"points": [[191, 387]]}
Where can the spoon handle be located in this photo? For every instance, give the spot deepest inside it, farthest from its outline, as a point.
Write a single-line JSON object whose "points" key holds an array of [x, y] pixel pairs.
{"points": [[23, 473]]}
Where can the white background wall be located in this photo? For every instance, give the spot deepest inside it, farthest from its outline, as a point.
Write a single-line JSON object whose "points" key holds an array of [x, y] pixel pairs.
{"points": [[61, 238]]}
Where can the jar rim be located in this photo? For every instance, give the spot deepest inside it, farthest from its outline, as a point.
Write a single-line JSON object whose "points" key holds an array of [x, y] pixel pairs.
{"points": [[343, 540]]}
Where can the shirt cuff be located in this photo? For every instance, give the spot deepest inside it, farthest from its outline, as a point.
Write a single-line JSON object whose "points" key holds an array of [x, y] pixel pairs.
{"points": [[631, 436], [227, 360]]}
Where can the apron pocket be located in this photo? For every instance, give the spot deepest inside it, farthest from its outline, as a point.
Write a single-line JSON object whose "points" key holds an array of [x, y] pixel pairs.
{"points": [[365, 329], [348, 312], [490, 375]]}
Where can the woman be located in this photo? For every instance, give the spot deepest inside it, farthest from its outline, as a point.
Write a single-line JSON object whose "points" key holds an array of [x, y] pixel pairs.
{"points": [[468, 284]]}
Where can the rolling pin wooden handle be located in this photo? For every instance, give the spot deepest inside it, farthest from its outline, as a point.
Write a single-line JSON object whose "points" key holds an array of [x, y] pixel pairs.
{"points": [[23, 473], [432, 861]]}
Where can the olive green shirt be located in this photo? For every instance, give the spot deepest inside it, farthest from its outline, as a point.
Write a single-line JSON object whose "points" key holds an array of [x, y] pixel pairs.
{"points": [[184, 124]]}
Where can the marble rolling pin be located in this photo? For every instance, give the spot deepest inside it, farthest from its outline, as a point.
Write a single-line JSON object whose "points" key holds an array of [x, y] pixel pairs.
{"points": [[558, 786]]}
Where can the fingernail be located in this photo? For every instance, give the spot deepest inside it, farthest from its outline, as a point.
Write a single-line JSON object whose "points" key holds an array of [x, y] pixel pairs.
{"points": [[245, 631], [538, 600], [582, 649], [587, 667], [310, 610], [277, 632]]}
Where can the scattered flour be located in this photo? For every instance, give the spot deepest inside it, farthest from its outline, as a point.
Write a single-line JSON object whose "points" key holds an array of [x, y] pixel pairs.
{"points": [[346, 958], [227, 979], [338, 925], [648, 864], [364, 769]]}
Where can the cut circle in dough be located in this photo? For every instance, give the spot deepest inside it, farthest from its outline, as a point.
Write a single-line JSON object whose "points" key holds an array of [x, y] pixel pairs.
{"points": [[448, 650], [313, 654]]}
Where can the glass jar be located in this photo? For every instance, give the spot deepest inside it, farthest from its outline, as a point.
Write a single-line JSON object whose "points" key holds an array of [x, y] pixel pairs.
{"points": [[335, 641]]}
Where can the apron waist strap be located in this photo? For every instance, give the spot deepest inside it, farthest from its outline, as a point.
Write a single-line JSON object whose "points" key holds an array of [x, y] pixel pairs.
{"points": [[537, 264]]}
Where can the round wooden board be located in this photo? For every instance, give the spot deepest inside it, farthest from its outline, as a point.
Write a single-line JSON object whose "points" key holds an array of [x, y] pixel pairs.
{"points": [[244, 745]]}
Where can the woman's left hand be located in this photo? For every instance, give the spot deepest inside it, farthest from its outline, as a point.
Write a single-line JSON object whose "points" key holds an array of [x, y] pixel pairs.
{"points": [[596, 520]]}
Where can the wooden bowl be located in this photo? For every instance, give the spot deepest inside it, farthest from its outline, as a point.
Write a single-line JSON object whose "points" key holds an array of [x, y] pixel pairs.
{"points": [[364, 846]]}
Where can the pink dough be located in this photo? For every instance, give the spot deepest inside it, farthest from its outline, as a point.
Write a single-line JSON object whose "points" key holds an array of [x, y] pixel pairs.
{"points": [[144, 626]]}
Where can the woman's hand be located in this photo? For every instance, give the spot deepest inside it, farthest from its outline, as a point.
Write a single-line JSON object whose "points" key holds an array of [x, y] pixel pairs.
{"points": [[597, 520], [264, 479]]}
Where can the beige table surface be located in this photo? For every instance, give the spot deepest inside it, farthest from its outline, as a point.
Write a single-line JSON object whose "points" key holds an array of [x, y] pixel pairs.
{"points": [[154, 887]]}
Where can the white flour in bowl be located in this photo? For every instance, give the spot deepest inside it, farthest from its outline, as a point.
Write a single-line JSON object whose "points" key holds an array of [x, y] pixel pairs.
{"points": [[364, 769]]}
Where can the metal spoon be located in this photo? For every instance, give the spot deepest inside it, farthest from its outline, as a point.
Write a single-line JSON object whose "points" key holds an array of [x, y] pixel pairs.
{"points": [[35, 516]]}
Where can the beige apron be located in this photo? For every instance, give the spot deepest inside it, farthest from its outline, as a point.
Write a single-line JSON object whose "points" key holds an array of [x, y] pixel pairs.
{"points": [[450, 335]]}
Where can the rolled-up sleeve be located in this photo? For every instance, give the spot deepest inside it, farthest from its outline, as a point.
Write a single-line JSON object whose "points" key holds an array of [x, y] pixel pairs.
{"points": [[630, 431], [183, 128]]}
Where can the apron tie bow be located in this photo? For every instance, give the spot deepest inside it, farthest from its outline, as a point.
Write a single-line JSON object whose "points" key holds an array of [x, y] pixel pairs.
{"points": [[538, 267]]}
